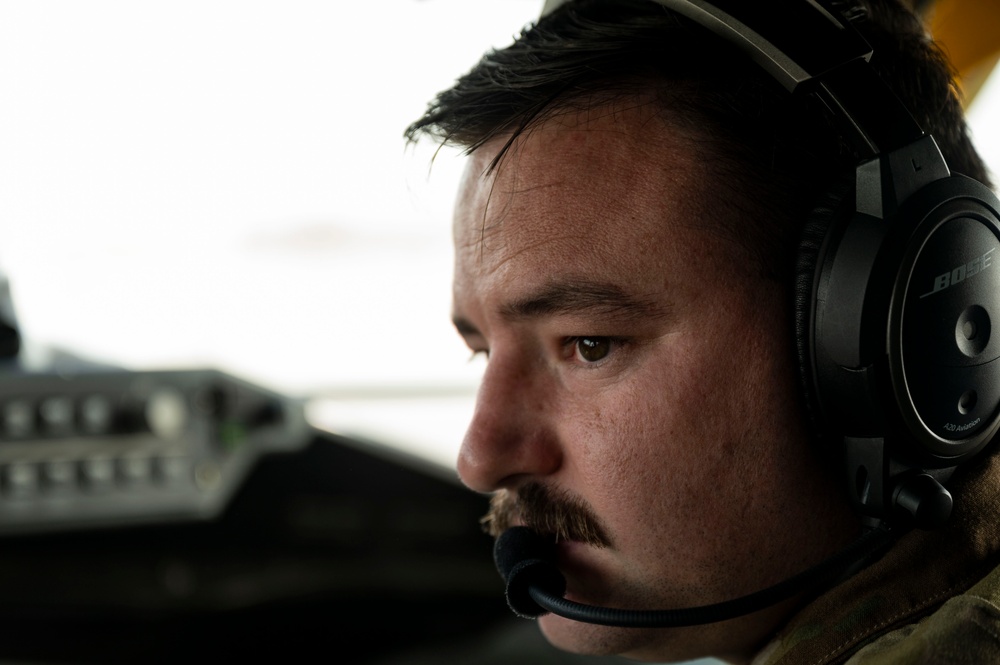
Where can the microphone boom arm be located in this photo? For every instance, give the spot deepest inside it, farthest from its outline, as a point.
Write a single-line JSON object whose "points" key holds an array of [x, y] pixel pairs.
{"points": [[534, 576]]}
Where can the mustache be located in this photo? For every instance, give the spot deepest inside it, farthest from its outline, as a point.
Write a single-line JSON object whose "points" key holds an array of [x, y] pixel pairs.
{"points": [[549, 512]]}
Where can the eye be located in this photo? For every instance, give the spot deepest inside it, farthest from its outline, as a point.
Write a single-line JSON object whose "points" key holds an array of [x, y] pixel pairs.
{"points": [[593, 349]]}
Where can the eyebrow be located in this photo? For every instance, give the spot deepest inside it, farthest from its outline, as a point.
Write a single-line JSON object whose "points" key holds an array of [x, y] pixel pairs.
{"points": [[576, 297]]}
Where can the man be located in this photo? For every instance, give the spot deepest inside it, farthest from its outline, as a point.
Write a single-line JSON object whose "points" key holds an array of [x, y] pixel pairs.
{"points": [[625, 240]]}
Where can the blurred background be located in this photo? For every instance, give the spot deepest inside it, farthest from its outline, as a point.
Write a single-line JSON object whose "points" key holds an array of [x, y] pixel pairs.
{"points": [[224, 185]]}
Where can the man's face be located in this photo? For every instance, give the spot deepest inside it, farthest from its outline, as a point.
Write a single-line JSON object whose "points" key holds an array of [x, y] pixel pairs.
{"points": [[639, 372]]}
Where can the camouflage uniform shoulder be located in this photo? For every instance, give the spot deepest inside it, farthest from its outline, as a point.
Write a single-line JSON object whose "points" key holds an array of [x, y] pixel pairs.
{"points": [[964, 631], [933, 597]]}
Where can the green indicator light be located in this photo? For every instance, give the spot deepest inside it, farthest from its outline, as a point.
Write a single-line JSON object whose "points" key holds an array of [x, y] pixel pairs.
{"points": [[232, 435]]}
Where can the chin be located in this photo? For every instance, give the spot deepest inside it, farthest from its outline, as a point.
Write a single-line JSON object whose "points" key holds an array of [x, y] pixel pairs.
{"points": [[643, 644], [582, 638], [733, 641]]}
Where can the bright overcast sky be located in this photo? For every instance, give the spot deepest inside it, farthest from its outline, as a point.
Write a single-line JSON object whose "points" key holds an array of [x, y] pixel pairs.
{"points": [[225, 183]]}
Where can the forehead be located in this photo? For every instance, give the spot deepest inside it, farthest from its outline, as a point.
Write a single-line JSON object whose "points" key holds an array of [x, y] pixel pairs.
{"points": [[613, 196]]}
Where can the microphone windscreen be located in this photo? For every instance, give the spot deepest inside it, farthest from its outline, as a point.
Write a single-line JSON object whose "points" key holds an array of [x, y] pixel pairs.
{"points": [[525, 559]]}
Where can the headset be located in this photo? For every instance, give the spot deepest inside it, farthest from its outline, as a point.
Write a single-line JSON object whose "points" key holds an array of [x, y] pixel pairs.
{"points": [[897, 284]]}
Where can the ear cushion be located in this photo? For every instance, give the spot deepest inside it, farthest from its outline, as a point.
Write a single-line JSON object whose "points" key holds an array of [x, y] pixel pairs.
{"points": [[827, 213]]}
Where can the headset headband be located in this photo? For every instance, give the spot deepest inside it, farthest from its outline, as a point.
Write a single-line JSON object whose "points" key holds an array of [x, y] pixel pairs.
{"points": [[807, 47]]}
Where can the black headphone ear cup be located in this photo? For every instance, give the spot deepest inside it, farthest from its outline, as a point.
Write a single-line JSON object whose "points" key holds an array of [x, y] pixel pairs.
{"points": [[825, 216]]}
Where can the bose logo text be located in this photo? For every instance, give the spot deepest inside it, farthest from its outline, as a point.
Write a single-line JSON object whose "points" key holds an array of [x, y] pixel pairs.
{"points": [[959, 274]]}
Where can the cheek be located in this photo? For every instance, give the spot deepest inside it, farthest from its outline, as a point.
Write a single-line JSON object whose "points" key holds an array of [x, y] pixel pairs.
{"points": [[681, 441], [648, 445]]}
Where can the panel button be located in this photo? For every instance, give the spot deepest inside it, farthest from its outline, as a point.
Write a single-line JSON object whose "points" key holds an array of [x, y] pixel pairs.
{"points": [[59, 473], [167, 413], [18, 419], [55, 414], [21, 478], [135, 468], [97, 472], [174, 468], [96, 414]]}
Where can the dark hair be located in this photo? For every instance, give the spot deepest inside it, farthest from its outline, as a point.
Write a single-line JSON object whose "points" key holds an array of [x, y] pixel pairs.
{"points": [[775, 154]]}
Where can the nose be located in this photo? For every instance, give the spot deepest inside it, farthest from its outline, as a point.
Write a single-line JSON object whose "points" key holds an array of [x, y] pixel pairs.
{"points": [[512, 436]]}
